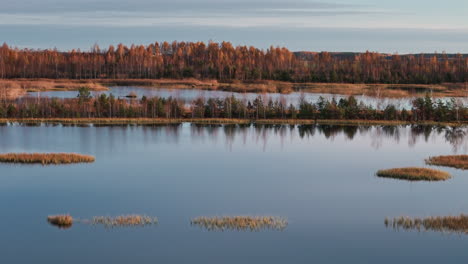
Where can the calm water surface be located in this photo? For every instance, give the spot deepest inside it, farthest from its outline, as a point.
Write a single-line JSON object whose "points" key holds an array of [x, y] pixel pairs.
{"points": [[188, 95], [321, 178]]}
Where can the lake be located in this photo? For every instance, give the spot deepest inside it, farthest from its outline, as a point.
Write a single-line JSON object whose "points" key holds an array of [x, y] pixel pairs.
{"points": [[188, 95], [321, 178]]}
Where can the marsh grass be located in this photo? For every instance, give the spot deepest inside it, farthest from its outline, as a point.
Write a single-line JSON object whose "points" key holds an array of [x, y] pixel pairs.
{"points": [[450, 224], [124, 221], [414, 174], [240, 223], [45, 158], [455, 161], [60, 221]]}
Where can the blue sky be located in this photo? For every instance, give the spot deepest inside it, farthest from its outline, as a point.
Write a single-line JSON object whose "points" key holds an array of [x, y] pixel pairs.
{"points": [[354, 25]]}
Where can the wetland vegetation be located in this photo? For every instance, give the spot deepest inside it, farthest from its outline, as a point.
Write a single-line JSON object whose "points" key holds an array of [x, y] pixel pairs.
{"points": [[46, 158], [240, 223], [455, 161], [61, 221], [450, 224], [414, 174]]}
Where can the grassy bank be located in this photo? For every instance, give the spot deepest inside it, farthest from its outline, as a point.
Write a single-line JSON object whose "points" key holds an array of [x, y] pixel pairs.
{"points": [[414, 174], [387, 90], [45, 158], [455, 161], [19, 87], [167, 121]]}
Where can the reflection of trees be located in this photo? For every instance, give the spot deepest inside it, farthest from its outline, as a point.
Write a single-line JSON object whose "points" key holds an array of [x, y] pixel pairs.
{"points": [[457, 137], [306, 130], [259, 133], [416, 131]]}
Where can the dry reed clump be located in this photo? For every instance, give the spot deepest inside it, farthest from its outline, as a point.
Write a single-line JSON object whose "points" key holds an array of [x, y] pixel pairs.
{"points": [[240, 223], [61, 221], [46, 158], [455, 161], [414, 174], [124, 220], [453, 224]]}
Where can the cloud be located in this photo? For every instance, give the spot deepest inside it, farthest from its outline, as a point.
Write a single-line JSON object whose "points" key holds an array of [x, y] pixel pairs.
{"points": [[254, 19]]}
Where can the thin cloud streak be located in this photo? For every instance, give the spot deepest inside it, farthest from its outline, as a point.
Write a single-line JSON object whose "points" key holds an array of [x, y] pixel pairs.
{"points": [[155, 19]]}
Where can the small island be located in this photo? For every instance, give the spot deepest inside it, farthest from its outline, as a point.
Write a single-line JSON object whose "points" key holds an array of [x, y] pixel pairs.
{"points": [[240, 223], [450, 224], [60, 221], [454, 161], [414, 174], [45, 158]]}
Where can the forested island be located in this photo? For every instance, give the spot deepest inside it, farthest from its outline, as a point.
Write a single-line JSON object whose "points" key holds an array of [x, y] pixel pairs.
{"points": [[423, 109]]}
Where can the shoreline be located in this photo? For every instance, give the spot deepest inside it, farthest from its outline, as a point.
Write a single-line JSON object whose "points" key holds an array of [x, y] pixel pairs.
{"points": [[218, 121], [22, 86]]}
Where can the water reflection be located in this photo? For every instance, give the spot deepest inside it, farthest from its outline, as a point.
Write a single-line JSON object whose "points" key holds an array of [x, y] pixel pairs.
{"points": [[245, 134]]}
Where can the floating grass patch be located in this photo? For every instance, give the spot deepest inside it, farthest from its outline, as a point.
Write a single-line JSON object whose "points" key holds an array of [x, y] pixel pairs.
{"points": [[455, 161], [45, 158], [124, 221], [240, 223], [414, 174], [60, 221], [450, 224]]}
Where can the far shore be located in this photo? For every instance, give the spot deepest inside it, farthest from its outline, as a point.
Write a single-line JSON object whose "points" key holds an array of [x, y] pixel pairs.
{"points": [[14, 88], [214, 121]]}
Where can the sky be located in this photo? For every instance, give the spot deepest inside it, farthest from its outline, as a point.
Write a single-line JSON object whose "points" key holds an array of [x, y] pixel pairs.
{"points": [[397, 26]]}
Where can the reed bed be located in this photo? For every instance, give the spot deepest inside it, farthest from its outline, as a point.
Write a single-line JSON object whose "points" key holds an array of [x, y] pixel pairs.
{"points": [[240, 223], [414, 174], [450, 224], [45, 158], [60, 221], [124, 221], [455, 161]]}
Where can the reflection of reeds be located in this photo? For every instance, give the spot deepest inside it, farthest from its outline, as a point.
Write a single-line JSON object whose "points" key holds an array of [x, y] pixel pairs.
{"points": [[454, 224], [124, 220], [61, 221], [414, 174], [240, 223], [45, 158], [455, 161]]}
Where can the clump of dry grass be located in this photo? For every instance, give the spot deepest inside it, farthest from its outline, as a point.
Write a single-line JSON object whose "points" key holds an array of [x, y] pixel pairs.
{"points": [[124, 220], [240, 223], [61, 221], [414, 174], [454, 224], [46, 158], [455, 161]]}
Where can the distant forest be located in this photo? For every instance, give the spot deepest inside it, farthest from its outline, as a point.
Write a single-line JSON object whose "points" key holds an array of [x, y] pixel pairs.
{"points": [[225, 62]]}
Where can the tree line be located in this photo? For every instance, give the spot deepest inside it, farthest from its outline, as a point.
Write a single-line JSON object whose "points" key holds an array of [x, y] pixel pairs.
{"points": [[225, 62], [104, 106]]}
